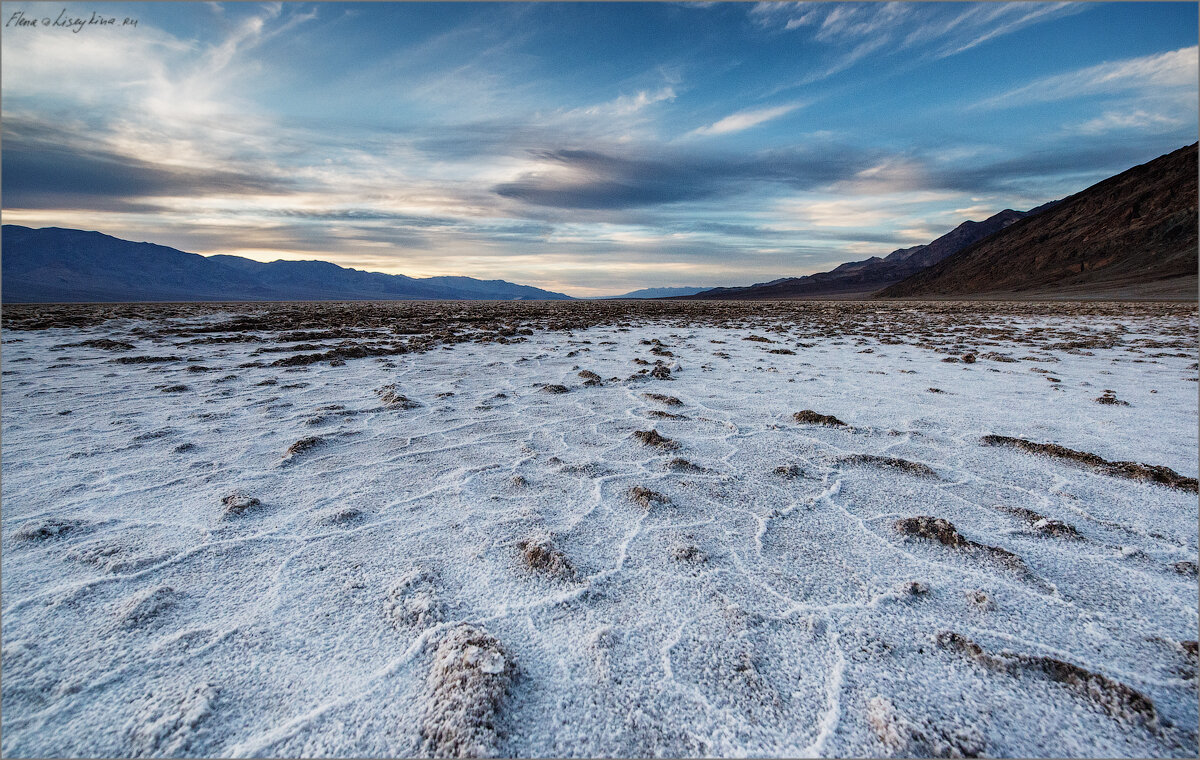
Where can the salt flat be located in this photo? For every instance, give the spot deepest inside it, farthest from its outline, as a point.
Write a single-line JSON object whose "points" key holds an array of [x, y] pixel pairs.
{"points": [[457, 561]]}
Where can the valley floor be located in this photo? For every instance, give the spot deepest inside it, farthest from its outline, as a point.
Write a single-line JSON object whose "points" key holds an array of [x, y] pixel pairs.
{"points": [[599, 530]]}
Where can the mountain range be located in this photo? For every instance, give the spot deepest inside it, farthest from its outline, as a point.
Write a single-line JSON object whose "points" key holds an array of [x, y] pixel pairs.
{"points": [[658, 293], [1132, 235], [858, 279], [62, 265]]}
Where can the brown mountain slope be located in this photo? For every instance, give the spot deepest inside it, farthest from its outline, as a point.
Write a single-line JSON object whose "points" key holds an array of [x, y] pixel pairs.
{"points": [[859, 279], [1132, 234]]}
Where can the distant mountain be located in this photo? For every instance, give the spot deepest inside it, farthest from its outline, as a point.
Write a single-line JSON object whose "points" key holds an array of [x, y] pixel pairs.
{"points": [[658, 293], [1131, 235], [858, 279], [54, 264]]}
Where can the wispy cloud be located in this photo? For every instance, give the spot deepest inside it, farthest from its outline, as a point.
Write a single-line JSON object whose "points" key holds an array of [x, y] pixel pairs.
{"points": [[1174, 71], [855, 31], [743, 120], [1135, 120]]}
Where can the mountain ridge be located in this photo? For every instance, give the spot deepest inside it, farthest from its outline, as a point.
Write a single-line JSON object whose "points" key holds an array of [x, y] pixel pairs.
{"points": [[56, 264], [1133, 233], [864, 277]]}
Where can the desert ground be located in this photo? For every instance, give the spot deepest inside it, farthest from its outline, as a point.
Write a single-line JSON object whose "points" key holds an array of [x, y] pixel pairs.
{"points": [[600, 529]]}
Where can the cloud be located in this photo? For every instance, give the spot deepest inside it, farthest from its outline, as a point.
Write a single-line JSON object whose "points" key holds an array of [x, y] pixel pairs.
{"points": [[1175, 70], [585, 179], [936, 30], [743, 120], [1136, 120], [65, 174]]}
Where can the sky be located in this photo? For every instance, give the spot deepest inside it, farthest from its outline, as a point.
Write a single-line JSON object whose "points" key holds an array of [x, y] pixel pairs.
{"points": [[586, 148]]}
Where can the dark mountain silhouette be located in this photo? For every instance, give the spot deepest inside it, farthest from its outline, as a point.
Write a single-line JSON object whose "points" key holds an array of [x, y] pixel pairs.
{"points": [[658, 293], [1132, 235], [861, 278], [57, 265]]}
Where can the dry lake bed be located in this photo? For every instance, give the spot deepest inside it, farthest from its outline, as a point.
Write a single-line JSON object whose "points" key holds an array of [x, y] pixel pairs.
{"points": [[600, 529]]}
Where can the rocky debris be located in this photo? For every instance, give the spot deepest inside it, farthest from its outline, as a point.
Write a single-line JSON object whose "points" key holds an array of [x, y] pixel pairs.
{"points": [[809, 417], [464, 691], [1110, 398], [303, 445], [237, 504], [646, 498], [661, 372], [48, 528], [688, 553], [659, 414], [177, 388], [998, 357], [146, 359], [392, 399], [663, 399], [944, 533], [789, 471], [679, 464], [539, 553], [912, 588], [924, 738], [968, 358], [1042, 524], [1186, 567], [904, 465], [758, 339], [101, 343], [1120, 701], [652, 438], [979, 599], [590, 378], [554, 389], [1131, 470]]}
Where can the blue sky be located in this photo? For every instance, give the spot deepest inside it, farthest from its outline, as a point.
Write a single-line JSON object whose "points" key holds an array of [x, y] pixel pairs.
{"points": [[589, 148]]}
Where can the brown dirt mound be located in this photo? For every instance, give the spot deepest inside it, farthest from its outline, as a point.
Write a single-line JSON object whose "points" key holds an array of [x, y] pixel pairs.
{"points": [[539, 553], [554, 389], [1131, 470], [304, 444], [646, 498], [1041, 523], [1121, 702], [944, 532], [390, 398], [652, 438], [809, 417], [913, 468], [659, 414], [663, 399]]}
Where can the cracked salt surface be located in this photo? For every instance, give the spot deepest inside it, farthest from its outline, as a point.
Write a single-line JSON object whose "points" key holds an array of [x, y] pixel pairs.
{"points": [[174, 584]]}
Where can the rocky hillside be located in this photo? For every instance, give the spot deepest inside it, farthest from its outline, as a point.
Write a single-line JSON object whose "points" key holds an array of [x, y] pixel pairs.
{"points": [[1132, 235], [861, 278]]}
